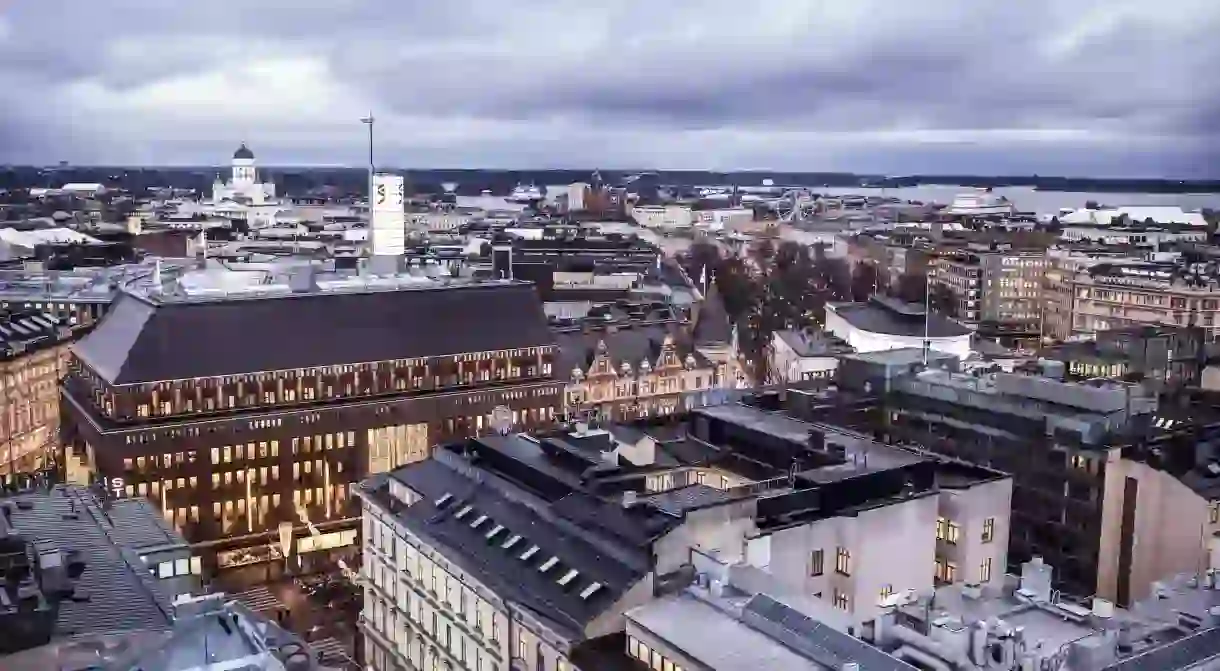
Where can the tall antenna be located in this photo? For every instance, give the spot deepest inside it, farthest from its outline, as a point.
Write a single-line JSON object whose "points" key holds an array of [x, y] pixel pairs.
{"points": [[368, 120]]}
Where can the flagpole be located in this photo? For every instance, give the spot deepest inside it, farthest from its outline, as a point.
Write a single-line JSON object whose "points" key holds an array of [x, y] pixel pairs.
{"points": [[927, 316]]}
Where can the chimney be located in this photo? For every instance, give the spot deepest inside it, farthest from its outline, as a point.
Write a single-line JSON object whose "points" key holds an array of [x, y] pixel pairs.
{"points": [[629, 499]]}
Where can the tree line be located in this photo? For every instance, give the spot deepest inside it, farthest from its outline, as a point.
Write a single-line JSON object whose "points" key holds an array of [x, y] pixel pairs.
{"points": [[786, 286]]}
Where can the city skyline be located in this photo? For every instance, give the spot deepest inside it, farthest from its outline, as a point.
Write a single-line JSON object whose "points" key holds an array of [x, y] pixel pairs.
{"points": [[939, 88]]}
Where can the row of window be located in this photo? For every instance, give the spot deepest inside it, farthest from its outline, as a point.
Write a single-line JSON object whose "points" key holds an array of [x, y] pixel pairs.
{"points": [[210, 399], [842, 562], [950, 532], [946, 571], [652, 658]]}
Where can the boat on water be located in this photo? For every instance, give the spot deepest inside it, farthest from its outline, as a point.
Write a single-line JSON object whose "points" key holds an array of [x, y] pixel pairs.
{"points": [[980, 204], [525, 194]]}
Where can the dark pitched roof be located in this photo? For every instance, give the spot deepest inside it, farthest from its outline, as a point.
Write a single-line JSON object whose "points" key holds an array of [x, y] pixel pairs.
{"points": [[498, 561], [142, 340], [631, 345], [876, 318], [712, 326]]}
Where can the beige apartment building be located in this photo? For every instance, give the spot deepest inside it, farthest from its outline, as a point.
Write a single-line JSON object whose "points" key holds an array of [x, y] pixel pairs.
{"points": [[997, 286], [1084, 300]]}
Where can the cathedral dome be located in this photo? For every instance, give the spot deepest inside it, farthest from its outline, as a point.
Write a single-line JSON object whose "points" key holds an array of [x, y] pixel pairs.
{"points": [[243, 152]]}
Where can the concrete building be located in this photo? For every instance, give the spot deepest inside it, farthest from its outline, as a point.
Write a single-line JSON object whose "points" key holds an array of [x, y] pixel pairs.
{"points": [[883, 323], [529, 550], [799, 355], [1112, 487], [996, 284], [578, 196]]}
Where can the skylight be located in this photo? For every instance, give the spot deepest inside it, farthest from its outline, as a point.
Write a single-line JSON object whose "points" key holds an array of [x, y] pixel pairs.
{"points": [[444, 500], [533, 549], [512, 540], [477, 521], [568, 577], [590, 590], [463, 512], [548, 564], [494, 530]]}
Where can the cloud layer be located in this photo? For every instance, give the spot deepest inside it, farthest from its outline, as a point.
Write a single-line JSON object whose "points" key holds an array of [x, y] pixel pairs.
{"points": [[1107, 87]]}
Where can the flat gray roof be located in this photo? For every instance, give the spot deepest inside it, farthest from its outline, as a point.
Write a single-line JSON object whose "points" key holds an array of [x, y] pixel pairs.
{"points": [[714, 638]]}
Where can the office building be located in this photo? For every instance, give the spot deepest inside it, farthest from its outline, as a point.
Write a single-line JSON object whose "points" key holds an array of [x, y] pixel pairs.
{"points": [[1113, 488], [996, 285], [238, 409]]}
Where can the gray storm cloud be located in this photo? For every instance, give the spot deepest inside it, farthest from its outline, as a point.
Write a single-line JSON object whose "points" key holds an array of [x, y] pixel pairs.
{"points": [[1116, 87]]}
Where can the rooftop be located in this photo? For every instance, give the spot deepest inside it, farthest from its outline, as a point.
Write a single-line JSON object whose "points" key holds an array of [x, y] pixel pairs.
{"points": [[144, 339], [116, 591], [210, 633], [877, 316], [512, 511]]}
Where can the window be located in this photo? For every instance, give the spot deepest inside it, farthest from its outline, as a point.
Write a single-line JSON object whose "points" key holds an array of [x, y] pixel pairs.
{"points": [[887, 591], [842, 561], [985, 570], [988, 529], [1214, 513], [841, 601], [947, 530], [946, 571], [816, 563], [522, 646]]}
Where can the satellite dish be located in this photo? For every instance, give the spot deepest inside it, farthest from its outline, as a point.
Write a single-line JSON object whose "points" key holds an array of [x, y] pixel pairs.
{"points": [[501, 419], [449, 187]]}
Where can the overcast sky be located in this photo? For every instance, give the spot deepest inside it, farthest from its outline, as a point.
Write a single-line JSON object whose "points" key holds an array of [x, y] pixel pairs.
{"points": [[1106, 88]]}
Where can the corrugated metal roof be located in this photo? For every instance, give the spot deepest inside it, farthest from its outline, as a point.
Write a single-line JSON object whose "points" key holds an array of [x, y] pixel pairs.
{"points": [[122, 593]]}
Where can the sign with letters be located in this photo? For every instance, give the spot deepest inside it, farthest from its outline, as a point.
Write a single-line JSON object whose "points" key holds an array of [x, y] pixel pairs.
{"points": [[387, 231]]}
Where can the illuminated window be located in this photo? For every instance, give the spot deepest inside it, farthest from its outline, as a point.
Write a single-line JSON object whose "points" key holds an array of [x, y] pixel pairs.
{"points": [[842, 561], [841, 601], [988, 529]]}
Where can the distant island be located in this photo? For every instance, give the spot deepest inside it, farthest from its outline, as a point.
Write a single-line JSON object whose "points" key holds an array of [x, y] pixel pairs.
{"points": [[473, 181]]}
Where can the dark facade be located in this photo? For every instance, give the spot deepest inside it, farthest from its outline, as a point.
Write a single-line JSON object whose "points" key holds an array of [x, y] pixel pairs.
{"points": [[239, 415]]}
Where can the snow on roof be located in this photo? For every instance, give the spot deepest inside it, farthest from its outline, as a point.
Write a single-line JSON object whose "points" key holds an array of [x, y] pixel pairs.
{"points": [[42, 236], [1161, 214]]}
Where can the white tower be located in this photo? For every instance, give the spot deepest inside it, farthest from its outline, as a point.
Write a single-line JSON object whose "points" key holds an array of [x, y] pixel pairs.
{"points": [[244, 174]]}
